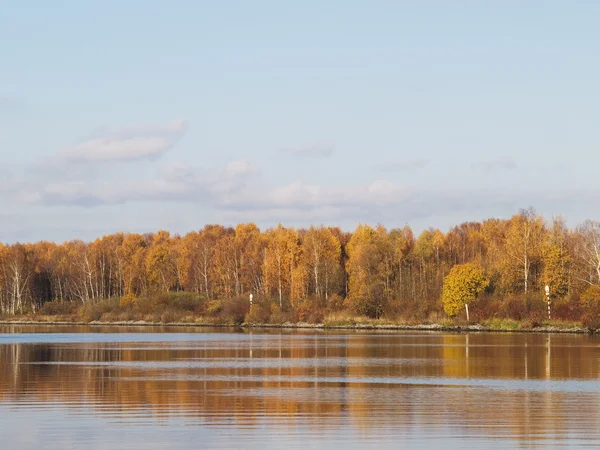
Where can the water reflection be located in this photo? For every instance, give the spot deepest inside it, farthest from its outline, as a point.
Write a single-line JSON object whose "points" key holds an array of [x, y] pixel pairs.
{"points": [[357, 389]]}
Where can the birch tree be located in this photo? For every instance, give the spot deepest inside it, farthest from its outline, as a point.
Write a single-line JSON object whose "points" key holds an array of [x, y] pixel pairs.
{"points": [[589, 251], [523, 245], [279, 261], [321, 254]]}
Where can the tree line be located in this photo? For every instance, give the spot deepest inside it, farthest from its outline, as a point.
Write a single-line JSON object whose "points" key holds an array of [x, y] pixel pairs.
{"points": [[372, 271]]}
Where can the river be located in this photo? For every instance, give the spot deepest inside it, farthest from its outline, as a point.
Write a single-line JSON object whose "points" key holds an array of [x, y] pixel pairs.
{"points": [[157, 388]]}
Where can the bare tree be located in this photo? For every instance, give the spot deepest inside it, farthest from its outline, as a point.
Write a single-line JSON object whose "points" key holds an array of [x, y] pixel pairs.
{"points": [[589, 250]]}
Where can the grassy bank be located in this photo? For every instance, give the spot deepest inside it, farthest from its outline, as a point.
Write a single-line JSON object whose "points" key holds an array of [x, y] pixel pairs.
{"points": [[185, 309]]}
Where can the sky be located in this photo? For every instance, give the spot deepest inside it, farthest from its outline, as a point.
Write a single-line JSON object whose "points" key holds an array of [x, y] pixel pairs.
{"points": [[127, 115]]}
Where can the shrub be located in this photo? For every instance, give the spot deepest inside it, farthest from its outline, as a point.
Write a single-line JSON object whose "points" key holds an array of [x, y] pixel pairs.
{"points": [[144, 306], [279, 317], [185, 301], [168, 316], [566, 308], [126, 315], [335, 303], [340, 318], [234, 310], [393, 310], [56, 308], [513, 307], [310, 311], [260, 312], [214, 307], [96, 310], [127, 300], [371, 303]]}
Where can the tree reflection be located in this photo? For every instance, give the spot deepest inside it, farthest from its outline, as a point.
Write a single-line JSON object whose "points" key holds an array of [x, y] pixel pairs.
{"points": [[480, 383]]}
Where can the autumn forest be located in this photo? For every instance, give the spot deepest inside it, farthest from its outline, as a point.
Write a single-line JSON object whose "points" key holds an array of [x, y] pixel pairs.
{"points": [[309, 275]]}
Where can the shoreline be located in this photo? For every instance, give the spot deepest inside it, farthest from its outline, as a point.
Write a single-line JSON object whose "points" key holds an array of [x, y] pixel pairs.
{"points": [[307, 326]]}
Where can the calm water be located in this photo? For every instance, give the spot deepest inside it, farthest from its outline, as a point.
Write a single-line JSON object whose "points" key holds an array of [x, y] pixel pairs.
{"points": [[106, 388]]}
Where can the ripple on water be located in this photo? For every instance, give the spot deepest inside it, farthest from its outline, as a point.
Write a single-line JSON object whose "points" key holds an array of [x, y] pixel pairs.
{"points": [[359, 390]]}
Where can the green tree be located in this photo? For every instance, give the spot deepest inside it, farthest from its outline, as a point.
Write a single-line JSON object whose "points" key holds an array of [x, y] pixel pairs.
{"points": [[462, 286]]}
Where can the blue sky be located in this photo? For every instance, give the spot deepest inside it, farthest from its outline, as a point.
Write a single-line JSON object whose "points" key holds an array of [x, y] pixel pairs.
{"points": [[142, 115]]}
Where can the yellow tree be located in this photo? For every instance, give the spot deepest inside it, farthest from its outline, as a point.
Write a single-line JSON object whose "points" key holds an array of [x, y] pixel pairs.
{"points": [[402, 242], [366, 267], [198, 254], [321, 256], [438, 241], [226, 265], [465, 242], [387, 263], [425, 252], [340, 285], [462, 286], [556, 259], [523, 247], [131, 257], [279, 262], [493, 234], [189, 276], [105, 265], [299, 289], [249, 247], [590, 304], [161, 263]]}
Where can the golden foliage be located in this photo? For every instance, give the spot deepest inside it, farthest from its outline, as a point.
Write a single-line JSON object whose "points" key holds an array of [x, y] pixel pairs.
{"points": [[590, 304], [462, 286], [371, 272], [127, 300]]}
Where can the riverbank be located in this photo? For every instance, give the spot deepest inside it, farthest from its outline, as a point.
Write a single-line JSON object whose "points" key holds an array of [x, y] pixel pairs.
{"points": [[188, 310], [493, 326]]}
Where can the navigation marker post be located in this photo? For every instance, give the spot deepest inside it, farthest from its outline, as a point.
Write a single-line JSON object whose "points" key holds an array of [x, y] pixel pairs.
{"points": [[548, 299], [251, 297]]}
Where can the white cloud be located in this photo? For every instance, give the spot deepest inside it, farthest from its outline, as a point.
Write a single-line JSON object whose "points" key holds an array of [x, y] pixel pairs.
{"points": [[384, 190], [386, 202], [303, 196], [117, 149], [234, 192], [240, 167], [296, 193], [107, 193], [129, 144], [171, 182]]}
